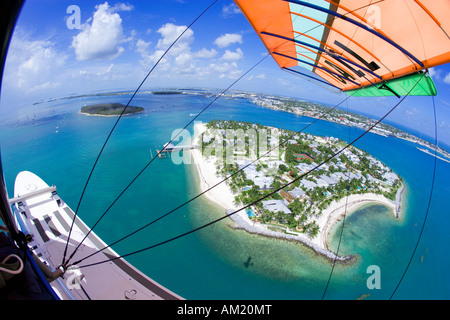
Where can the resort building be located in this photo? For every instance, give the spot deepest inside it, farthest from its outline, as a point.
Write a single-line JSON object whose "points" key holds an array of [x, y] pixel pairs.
{"points": [[330, 180], [207, 138], [307, 184], [276, 206], [263, 182], [390, 178], [250, 171], [275, 164], [321, 183], [297, 193], [304, 167]]}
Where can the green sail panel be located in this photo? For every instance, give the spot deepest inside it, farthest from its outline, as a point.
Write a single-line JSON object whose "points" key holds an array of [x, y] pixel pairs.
{"points": [[399, 87]]}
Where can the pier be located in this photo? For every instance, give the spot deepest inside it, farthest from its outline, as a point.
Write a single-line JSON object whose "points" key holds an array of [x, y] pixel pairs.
{"points": [[168, 147]]}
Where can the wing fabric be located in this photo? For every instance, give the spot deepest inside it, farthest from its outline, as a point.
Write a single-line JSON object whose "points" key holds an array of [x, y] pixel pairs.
{"points": [[364, 47]]}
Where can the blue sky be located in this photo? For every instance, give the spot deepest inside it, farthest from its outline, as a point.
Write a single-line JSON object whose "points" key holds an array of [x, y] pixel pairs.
{"points": [[117, 43]]}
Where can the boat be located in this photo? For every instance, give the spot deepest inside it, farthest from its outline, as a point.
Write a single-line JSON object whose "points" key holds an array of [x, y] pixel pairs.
{"points": [[45, 220]]}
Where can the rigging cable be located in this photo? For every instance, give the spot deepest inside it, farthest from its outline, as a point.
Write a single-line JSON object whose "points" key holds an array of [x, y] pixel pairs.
{"points": [[118, 119], [225, 179], [148, 164], [260, 199], [342, 228], [331, 19], [429, 201], [155, 157], [101, 217], [212, 187]]}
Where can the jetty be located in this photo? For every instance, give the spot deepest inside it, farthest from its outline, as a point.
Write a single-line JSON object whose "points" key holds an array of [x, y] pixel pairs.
{"points": [[169, 147]]}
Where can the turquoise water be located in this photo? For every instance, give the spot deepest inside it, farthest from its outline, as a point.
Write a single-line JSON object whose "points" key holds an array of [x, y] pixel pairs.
{"points": [[218, 262]]}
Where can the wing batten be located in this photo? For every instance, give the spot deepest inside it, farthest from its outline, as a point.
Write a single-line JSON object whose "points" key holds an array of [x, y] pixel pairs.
{"points": [[355, 44]]}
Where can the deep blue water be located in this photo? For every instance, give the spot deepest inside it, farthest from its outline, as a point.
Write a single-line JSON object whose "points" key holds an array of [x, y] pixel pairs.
{"points": [[217, 262]]}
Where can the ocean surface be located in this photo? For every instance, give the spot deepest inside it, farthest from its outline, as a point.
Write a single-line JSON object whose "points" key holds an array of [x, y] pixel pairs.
{"points": [[60, 145]]}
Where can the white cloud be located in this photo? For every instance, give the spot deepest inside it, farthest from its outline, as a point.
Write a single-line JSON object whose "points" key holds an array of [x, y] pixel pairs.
{"points": [[230, 10], [142, 46], [433, 72], [204, 53], [180, 53], [98, 73], [226, 70], [283, 82], [228, 39], [122, 7], [439, 75], [447, 78], [181, 61], [412, 111], [170, 32], [259, 76], [232, 56], [103, 38], [33, 65]]}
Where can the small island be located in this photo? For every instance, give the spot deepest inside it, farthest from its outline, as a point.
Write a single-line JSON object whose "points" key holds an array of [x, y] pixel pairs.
{"points": [[166, 92], [109, 109], [315, 197]]}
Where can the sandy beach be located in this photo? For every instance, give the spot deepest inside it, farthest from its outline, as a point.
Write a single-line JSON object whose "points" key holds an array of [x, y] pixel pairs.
{"points": [[107, 115], [206, 169], [223, 196], [347, 206]]}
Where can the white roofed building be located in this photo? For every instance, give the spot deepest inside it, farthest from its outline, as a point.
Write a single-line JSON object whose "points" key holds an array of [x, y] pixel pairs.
{"points": [[276, 206]]}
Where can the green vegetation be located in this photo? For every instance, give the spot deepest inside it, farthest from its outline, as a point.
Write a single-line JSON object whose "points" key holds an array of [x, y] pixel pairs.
{"points": [[166, 92], [110, 109], [299, 204]]}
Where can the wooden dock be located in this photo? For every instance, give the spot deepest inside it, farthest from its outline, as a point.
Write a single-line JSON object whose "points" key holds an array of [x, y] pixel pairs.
{"points": [[171, 148]]}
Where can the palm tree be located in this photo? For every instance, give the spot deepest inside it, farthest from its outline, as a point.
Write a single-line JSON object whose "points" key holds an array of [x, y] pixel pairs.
{"points": [[314, 230]]}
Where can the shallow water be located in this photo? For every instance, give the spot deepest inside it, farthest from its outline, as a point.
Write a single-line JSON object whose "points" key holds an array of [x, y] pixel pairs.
{"points": [[219, 262]]}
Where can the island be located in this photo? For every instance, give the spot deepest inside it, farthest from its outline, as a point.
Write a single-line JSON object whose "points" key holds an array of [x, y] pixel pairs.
{"points": [[110, 109], [336, 115], [166, 92], [305, 188]]}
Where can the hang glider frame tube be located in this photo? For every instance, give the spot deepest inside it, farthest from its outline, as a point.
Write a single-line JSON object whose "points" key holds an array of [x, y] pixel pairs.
{"points": [[337, 31], [322, 50], [341, 58], [311, 77], [350, 20], [316, 66], [438, 23]]}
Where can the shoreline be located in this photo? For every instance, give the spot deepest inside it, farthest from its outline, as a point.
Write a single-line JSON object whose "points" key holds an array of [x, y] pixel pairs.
{"points": [[347, 206], [108, 115], [433, 155], [223, 196]]}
